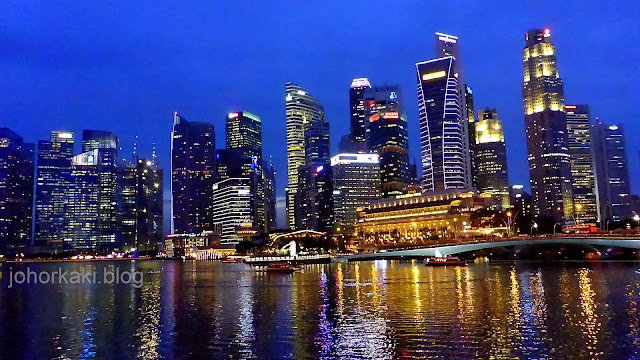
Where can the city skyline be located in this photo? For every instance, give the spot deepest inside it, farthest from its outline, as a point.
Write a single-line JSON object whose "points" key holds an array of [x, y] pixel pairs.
{"points": [[154, 122]]}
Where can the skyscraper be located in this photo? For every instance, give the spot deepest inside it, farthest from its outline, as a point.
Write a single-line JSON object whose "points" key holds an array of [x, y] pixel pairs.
{"points": [[269, 197], [449, 46], [387, 135], [243, 158], [356, 181], [471, 121], [82, 215], [53, 182], [356, 105], [193, 173], [491, 158], [546, 127], [140, 205], [105, 145], [232, 207], [302, 110], [16, 190], [582, 164], [441, 126], [612, 172], [313, 201]]}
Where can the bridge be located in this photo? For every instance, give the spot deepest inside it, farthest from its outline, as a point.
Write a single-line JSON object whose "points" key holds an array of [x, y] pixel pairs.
{"points": [[595, 243]]}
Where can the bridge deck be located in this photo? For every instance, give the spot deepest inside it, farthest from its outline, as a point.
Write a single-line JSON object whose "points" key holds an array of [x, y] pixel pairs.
{"points": [[462, 248]]}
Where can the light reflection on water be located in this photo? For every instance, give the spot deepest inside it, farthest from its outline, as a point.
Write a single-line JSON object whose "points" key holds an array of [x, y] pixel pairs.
{"points": [[367, 310]]}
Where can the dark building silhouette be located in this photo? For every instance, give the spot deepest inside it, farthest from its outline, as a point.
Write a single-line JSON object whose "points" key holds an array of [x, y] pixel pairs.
{"points": [[193, 173], [546, 128], [17, 160], [357, 113]]}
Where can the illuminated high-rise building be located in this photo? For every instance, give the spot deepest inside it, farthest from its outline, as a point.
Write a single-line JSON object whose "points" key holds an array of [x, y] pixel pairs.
{"points": [[612, 171], [441, 126], [232, 207], [269, 197], [491, 158], [82, 231], [449, 46], [52, 184], [193, 173], [387, 135], [104, 147], [16, 190], [356, 105], [243, 158], [302, 110], [313, 201], [140, 205], [546, 128], [582, 163], [356, 181]]}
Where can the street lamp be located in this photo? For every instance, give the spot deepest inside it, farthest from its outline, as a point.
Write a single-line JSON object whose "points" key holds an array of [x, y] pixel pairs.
{"points": [[535, 226], [637, 219]]}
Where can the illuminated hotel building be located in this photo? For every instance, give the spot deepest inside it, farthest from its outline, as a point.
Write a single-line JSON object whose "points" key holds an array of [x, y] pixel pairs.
{"points": [[449, 46], [612, 171], [441, 126], [387, 134], [491, 158], [356, 181], [356, 102], [418, 217], [16, 190], [546, 128], [193, 173], [302, 110], [232, 207], [52, 183], [582, 164]]}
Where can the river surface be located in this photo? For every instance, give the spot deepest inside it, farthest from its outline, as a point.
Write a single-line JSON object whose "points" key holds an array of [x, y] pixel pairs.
{"points": [[365, 310]]}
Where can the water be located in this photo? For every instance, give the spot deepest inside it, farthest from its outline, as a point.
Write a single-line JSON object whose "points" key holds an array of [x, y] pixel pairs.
{"points": [[368, 310]]}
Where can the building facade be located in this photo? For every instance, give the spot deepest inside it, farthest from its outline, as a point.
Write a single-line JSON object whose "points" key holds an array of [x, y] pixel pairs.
{"points": [[52, 183], [102, 146], [140, 205], [193, 173], [387, 135], [356, 181], [420, 217], [449, 45], [243, 158], [582, 163], [302, 110], [17, 160], [441, 126], [232, 207], [491, 158], [356, 105], [546, 128], [612, 171]]}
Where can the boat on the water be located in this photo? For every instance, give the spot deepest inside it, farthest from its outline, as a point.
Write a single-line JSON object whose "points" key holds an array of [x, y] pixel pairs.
{"points": [[283, 268], [444, 261], [230, 260]]}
